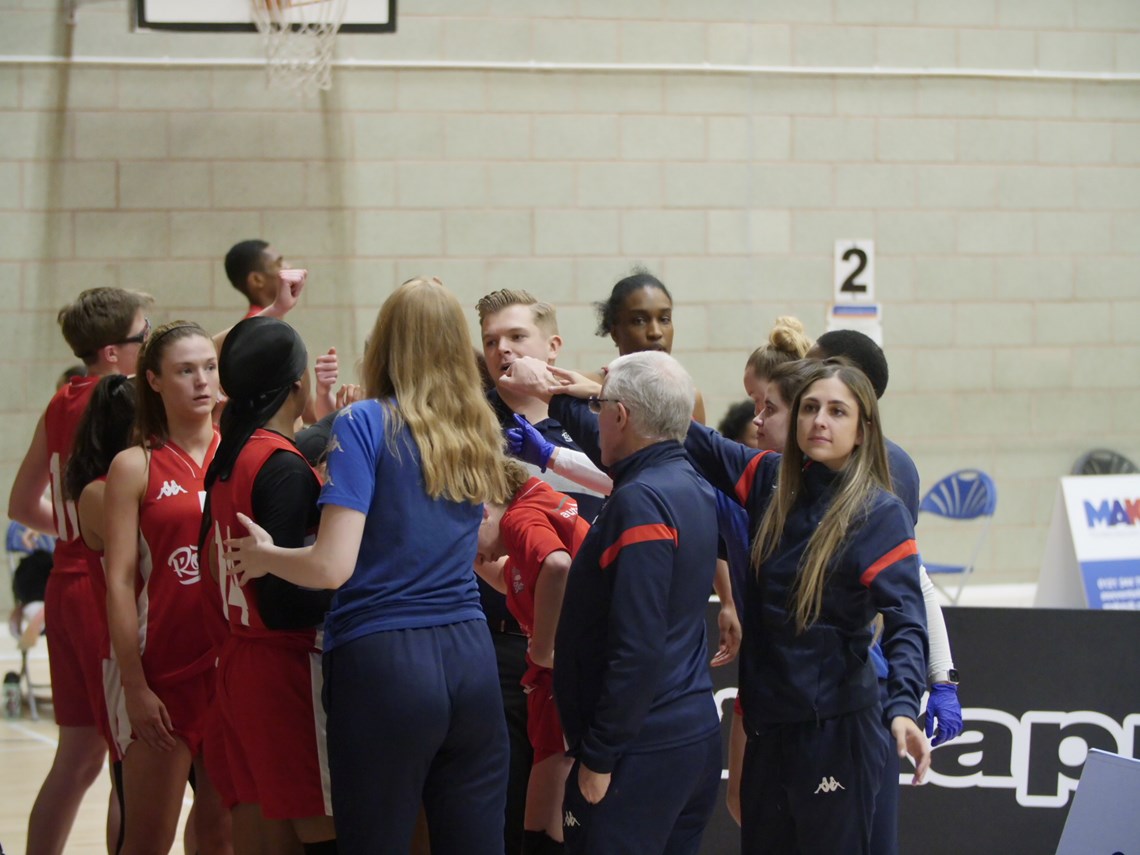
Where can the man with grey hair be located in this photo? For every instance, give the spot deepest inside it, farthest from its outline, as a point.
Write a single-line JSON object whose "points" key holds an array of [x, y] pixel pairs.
{"points": [[630, 673]]}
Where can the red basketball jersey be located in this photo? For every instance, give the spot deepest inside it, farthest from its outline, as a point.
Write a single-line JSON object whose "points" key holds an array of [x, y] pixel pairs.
{"points": [[60, 421], [229, 498], [539, 522], [173, 641]]}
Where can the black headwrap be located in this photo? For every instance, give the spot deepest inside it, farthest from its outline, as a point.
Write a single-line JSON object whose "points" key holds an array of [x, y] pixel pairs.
{"points": [[260, 361]]}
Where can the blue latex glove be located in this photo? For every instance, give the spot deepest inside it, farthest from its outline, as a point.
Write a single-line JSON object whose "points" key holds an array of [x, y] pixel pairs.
{"points": [[943, 705], [526, 443]]}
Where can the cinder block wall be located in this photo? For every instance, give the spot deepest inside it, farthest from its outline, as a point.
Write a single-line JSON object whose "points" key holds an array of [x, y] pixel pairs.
{"points": [[1005, 211]]}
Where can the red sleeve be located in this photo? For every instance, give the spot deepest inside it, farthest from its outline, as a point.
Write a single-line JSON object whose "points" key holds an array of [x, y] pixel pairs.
{"points": [[529, 538]]}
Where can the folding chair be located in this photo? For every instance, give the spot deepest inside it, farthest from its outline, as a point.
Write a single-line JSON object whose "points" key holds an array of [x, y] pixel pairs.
{"points": [[20, 543], [1102, 461], [968, 494]]}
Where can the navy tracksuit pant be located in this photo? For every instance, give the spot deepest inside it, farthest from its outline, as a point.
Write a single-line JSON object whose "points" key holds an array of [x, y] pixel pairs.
{"points": [[885, 828], [810, 787], [658, 802], [416, 715]]}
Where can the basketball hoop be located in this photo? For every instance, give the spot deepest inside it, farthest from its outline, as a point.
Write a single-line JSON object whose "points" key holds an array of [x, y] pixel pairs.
{"points": [[299, 36]]}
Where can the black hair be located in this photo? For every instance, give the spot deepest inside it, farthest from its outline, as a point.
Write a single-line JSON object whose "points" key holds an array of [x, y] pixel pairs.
{"points": [[861, 349], [243, 259], [607, 310], [261, 359], [102, 432], [736, 421]]}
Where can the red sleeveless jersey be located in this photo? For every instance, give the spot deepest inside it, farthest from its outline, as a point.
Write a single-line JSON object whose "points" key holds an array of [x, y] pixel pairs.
{"points": [[539, 522], [173, 642], [228, 499], [60, 421]]}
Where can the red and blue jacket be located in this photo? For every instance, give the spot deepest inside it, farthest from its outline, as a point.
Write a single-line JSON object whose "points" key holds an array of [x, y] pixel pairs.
{"points": [[826, 670], [631, 670]]}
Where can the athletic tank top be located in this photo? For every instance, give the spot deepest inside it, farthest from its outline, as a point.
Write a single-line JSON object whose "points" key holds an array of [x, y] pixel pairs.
{"points": [[228, 499], [60, 421], [172, 640]]}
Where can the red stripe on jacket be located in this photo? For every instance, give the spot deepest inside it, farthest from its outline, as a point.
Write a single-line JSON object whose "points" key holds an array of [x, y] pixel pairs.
{"points": [[748, 476], [903, 550], [637, 534]]}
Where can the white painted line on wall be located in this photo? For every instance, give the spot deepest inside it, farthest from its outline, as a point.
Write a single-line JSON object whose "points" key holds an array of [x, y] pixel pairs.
{"points": [[606, 67]]}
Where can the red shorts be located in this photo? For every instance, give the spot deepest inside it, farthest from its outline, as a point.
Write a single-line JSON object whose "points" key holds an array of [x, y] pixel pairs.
{"points": [[216, 757], [72, 621], [270, 695], [543, 727], [186, 703]]}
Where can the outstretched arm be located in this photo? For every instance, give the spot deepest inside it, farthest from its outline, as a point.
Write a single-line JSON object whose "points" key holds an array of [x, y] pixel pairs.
{"points": [[327, 563]]}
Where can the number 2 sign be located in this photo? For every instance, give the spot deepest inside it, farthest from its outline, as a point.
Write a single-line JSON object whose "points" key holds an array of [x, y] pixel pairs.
{"points": [[854, 271]]}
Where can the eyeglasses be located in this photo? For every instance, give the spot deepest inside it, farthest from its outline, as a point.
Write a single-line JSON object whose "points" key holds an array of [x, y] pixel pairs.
{"points": [[595, 403], [138, 338]]}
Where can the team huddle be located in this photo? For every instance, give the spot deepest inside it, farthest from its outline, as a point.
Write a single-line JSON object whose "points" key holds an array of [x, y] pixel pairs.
{"points": [[460, 607]]}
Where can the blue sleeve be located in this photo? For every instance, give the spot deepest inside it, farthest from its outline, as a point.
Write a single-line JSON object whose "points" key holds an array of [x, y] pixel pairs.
{"points": [[734, 469], [904, 478], [641, 541], [582, 425], [888, 561], [355, 444]]}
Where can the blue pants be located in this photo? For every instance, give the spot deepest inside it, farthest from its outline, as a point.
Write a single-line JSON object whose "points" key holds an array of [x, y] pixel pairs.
{"points": [[658, 802], [510, 650], [416, 715], [810, 787], [885, 828]]}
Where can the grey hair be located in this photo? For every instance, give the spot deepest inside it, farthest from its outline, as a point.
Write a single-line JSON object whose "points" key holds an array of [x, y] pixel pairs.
{"points": [[658, 393]]}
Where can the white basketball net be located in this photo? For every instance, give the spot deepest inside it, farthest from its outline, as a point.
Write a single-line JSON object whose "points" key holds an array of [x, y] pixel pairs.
{"points": [[299, 37]]}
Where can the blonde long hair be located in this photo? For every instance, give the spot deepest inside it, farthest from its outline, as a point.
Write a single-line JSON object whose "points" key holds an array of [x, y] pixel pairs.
{"points": [[864, 473], [420, 353]]}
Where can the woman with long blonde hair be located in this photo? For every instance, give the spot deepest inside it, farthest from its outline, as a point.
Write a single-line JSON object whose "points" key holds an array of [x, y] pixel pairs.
{"points": [[833, 547], [410, 681]]}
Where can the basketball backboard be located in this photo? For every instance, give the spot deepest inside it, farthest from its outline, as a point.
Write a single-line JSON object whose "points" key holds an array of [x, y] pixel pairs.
{"points": [[361, 16]]}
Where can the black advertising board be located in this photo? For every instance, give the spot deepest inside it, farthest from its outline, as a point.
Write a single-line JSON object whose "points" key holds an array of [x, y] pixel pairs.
{"points": [[1039, 688]]}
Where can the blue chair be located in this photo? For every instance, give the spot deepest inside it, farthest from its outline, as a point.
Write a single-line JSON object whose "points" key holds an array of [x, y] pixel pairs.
{"points": [[968, 494]]}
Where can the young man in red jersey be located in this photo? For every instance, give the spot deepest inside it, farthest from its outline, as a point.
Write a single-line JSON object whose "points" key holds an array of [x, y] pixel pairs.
{"points": [[106, 328]]}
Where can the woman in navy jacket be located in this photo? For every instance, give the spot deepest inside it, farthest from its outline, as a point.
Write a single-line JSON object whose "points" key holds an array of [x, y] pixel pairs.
{"points": [[833, 547]]}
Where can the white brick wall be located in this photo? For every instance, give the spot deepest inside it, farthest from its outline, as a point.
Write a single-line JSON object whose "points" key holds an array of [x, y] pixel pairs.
{"points": [[1006, 212]]}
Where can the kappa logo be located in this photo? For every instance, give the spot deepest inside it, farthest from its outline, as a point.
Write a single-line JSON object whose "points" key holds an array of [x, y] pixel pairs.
{"points": [[169, 488], [570, 821], [829, 785]]}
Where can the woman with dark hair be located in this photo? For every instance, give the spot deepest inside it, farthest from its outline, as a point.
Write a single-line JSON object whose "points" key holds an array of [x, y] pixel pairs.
{"points": [[103, 431], [638, 316], [411, 686], [268, 685], [737, 424], [154, 608]]}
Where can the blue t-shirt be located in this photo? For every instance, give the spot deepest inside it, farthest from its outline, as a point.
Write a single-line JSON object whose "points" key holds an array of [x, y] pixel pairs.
{"points": [[415, 565]]}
